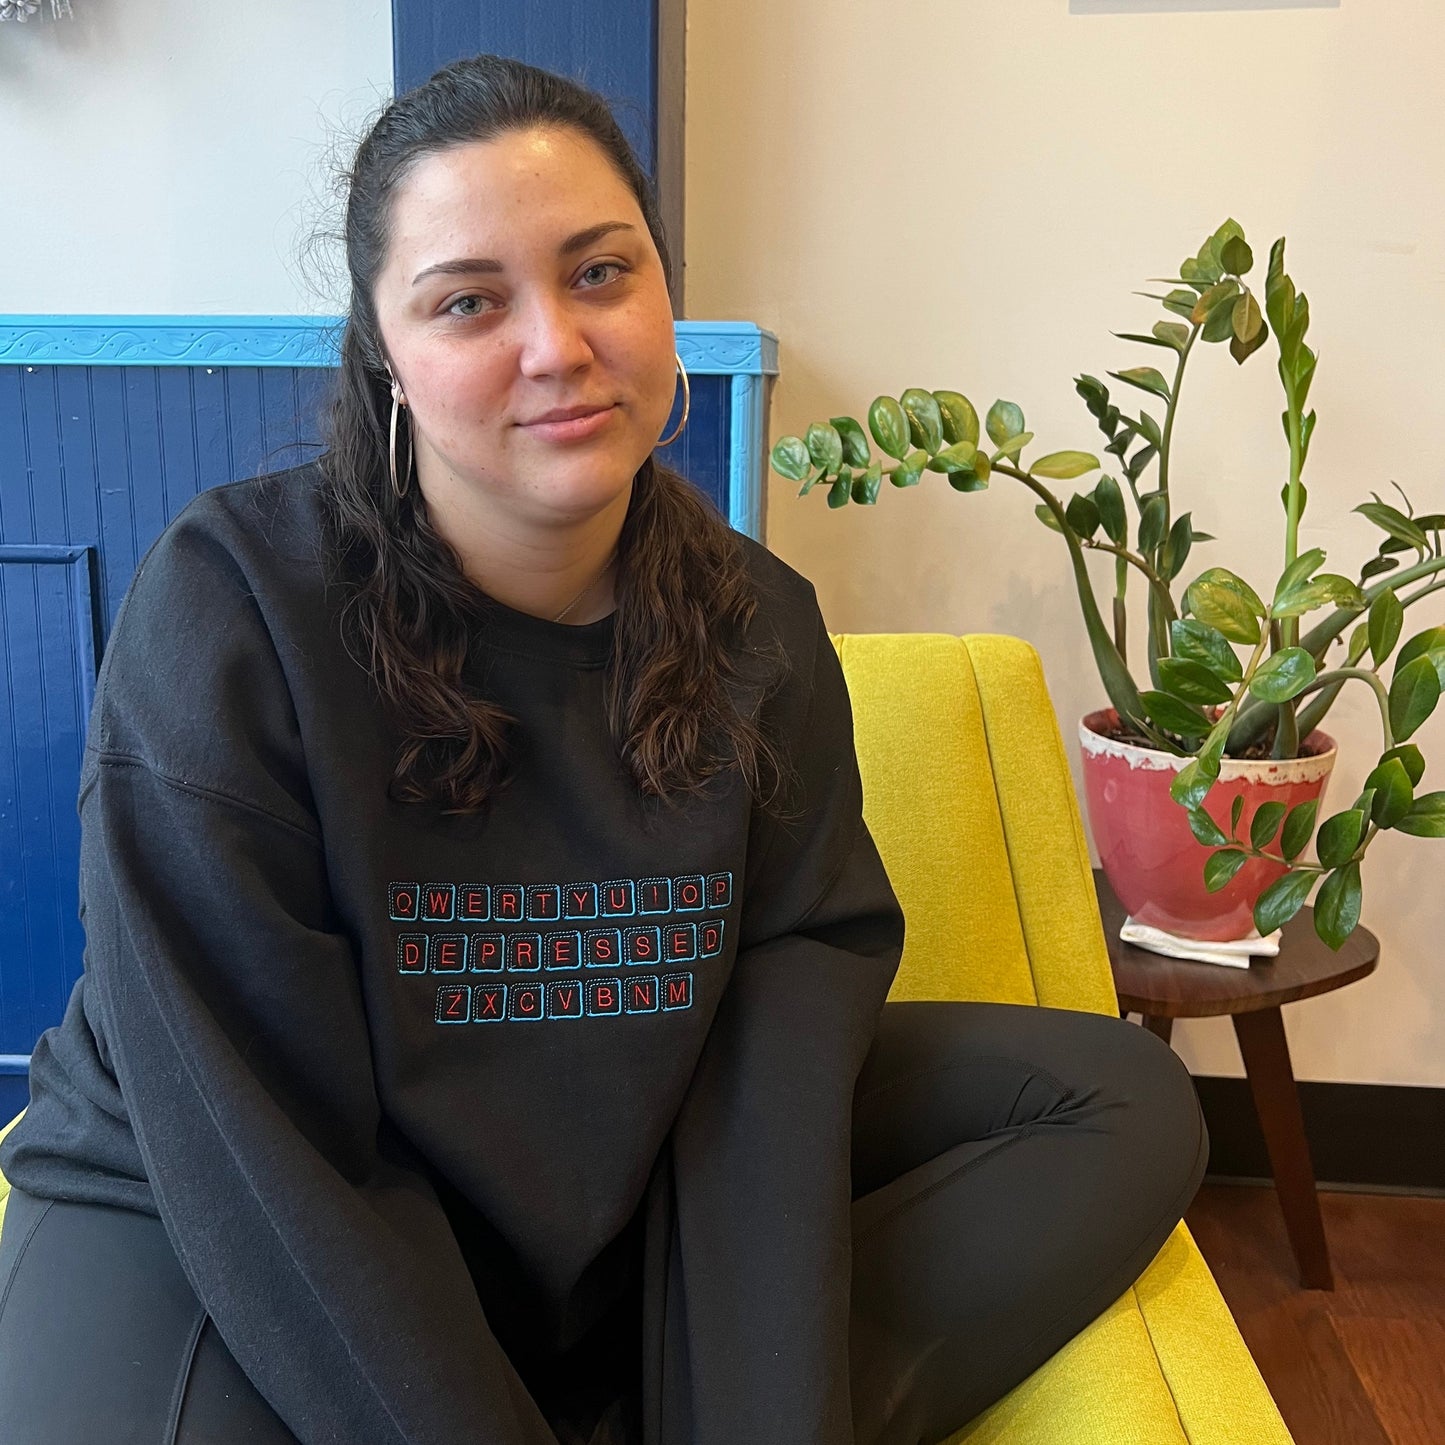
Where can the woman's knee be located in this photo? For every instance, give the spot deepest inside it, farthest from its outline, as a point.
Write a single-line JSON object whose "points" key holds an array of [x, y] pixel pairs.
{"points": [[1162, 1121]]}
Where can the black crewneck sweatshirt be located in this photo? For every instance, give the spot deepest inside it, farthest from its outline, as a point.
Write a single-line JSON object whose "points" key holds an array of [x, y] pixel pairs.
{"points": [[466, 1130]]}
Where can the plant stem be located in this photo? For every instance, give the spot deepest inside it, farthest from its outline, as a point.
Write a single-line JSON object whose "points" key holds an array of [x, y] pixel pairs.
{"points": [[1365, 674], [1156, 582], [1113, 671], [1158, 616]]}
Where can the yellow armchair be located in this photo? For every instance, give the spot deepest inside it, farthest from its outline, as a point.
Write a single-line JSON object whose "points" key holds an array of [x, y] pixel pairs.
{"points": [[967, 792]]}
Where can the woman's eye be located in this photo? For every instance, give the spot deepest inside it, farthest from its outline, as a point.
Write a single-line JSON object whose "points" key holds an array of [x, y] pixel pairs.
{"points": [[451, 310], [603, 266]]}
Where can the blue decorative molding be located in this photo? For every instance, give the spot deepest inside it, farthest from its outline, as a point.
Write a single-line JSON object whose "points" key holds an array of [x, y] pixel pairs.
{"points": [[169, 340], [720, 348]]}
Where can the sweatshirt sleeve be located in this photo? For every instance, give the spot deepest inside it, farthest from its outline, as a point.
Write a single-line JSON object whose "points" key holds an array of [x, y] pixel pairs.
{"points": [[762, 1144], [231, 1005]]}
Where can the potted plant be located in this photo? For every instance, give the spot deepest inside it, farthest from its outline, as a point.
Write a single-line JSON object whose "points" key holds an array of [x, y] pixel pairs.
{"points": [[1204, 788]]}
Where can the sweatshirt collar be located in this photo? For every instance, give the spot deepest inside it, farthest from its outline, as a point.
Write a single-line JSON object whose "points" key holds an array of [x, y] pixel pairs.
{"points": [[505, 629]]}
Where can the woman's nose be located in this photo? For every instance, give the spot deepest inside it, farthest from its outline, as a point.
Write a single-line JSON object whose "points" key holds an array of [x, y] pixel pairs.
{"points": [[554, 340]]}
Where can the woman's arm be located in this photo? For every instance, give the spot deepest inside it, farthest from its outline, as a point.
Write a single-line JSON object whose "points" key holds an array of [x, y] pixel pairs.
{"points": [[230, 1002], [763, 1142]]}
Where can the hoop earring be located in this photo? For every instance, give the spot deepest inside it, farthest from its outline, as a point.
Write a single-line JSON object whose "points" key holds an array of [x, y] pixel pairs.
{"points": [[686, 403], [400, 489]]}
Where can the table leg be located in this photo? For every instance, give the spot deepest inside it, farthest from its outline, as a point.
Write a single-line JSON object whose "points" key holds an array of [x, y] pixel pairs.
{"points": [[1158, 1024], [1265, 1051]]}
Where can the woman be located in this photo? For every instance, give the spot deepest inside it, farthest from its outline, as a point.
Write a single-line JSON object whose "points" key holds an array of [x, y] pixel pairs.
{"points": [[482, 1035]]}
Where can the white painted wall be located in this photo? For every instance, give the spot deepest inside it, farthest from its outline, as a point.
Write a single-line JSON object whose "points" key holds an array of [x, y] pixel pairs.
{"points": [[964, 194], [169, 157]]}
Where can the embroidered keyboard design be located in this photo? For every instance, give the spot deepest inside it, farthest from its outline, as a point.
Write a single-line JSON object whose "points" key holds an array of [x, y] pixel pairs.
{"points": [[500, 946]]}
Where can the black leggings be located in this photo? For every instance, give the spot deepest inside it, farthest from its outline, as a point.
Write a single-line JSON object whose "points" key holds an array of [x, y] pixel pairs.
{"points": [[1015, 1169]]}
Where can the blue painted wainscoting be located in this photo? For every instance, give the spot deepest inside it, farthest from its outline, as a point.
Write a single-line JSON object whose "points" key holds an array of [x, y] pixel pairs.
{"points": [[109, 425]]}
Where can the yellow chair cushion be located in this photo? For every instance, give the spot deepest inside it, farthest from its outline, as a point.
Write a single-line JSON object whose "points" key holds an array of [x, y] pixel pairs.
{"points": [[968, 795]]}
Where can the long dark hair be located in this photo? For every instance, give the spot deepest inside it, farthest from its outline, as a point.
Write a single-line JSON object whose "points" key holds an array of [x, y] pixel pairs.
{"points": [[683, 591]]}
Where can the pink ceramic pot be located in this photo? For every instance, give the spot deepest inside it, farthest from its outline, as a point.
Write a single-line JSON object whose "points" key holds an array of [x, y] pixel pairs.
{"points": [[1153, 862]]}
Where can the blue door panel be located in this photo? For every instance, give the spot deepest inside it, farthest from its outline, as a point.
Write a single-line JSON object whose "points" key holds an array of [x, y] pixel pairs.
{"points": [[48, 624]]}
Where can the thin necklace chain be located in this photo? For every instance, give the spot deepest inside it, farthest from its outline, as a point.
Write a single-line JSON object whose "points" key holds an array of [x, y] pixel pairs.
{"points": [[585, 590]]}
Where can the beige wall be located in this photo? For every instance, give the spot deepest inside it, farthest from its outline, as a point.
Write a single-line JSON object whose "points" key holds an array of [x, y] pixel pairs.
{"points": [[964, 193]]}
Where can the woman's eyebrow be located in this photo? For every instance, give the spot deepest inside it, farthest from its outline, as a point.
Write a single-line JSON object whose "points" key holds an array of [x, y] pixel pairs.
{"points": [[471, 265]]}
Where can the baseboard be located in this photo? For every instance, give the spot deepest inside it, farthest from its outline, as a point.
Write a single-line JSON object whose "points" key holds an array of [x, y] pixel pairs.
{"points": [[1360, 1135]]}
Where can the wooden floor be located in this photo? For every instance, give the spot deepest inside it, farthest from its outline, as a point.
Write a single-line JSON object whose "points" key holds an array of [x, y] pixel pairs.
{"points": [[1363, 1364]]}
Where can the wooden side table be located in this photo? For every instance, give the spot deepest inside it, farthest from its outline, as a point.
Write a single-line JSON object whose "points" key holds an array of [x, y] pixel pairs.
{"points": [[1163, 989]]}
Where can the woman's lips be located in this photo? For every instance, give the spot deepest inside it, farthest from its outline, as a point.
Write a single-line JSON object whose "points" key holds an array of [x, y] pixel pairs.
{"points": [[575, 429]]}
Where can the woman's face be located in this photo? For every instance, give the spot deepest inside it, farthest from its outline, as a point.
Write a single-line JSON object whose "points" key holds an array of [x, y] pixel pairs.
{"points": [[522, 279]]}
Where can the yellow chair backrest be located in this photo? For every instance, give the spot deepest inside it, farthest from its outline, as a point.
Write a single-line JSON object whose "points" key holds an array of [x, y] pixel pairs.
{"points": [[967, 792]]}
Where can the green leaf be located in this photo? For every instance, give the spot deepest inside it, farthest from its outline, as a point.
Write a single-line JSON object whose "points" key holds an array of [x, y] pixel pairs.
{"points": [[1318, 592], [1395, 522], [1192, 681], [1191, 783], [1245, 320], [1411, 758], [1148, 340], [1337, 905], [1180, 302], [1429, 643], [1146, 378], [1339, 837], [865, 485], [1220, 868], [925, 420], [1216, 296], [1141, 459], [1283, 675], [1151, 523], [1220, 325], [1299, 828], [969, 481], [791, 459], [825, 446], [1176, 548], [1148, 428], [1206, 829], [1281, 901], [1202, 643], [1265, 823], [1303, 567], [1236, 808], [1393, 792], [1171, 333], [1426, 818], [1304, 494], [1045, 514], [840, 491], [1110, 502], [1004, 420], [1014, 445], [1387, 617], [956, 458], [1063, 466], [909, 472], [1225, 602], [1414, 691], [855, 444], [889, 425], [1241, 351], [1082, 515], [960, 420], [1174, 716], [1236, 255]]}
